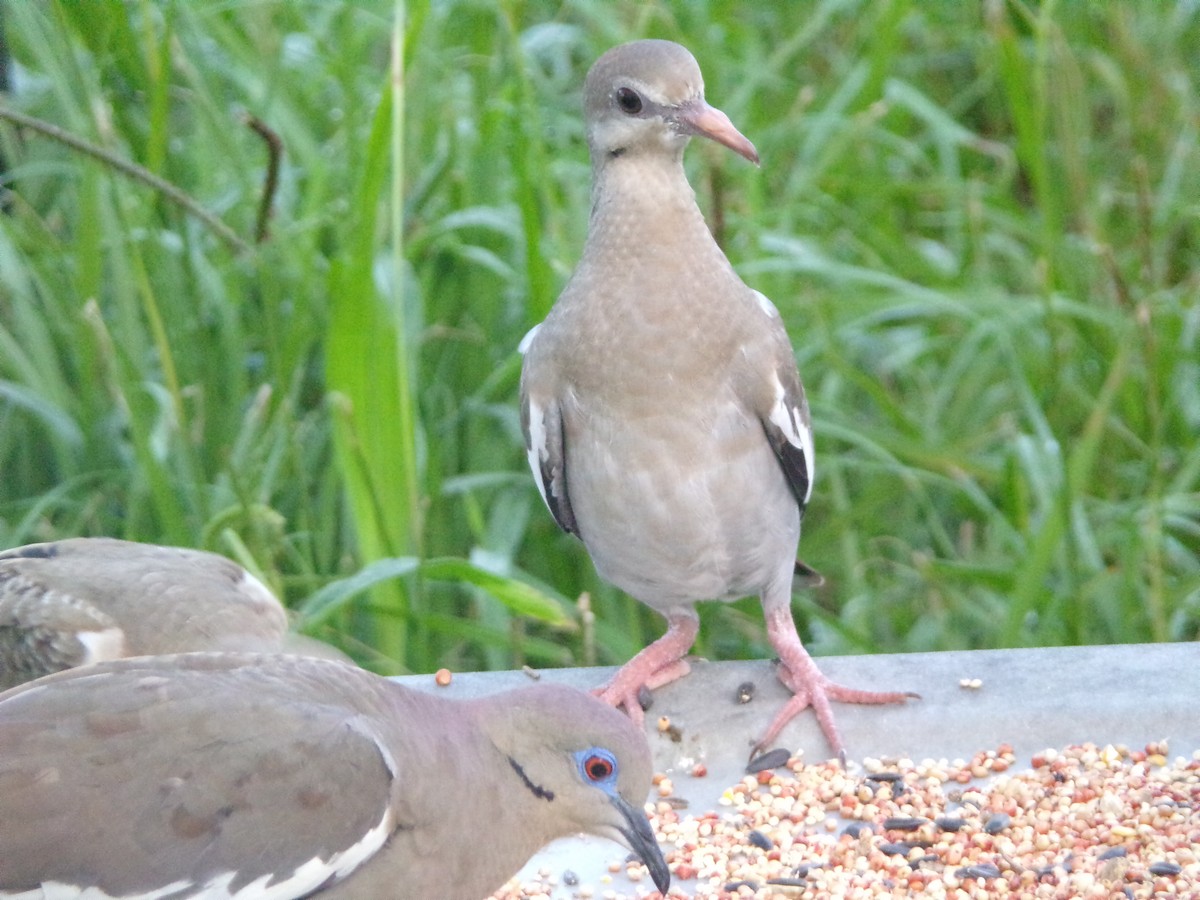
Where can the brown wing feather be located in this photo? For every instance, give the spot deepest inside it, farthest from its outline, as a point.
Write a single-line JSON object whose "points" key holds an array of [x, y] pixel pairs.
{"points": [[191, 764]]}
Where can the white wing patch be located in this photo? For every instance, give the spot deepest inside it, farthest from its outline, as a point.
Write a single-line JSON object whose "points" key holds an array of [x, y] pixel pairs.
{"points": [[786, 417], [56, 890], [305, 879], [311, 874], [763, 301], [537, 443], [523, 347], [256, 592], [105, 643]]}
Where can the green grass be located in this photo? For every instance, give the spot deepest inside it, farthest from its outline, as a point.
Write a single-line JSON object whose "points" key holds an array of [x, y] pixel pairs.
{"points": [[981, 223]]}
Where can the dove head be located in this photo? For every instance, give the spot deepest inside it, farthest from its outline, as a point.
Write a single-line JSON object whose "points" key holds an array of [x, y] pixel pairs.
{"points": [[581, 763], [647, 97]]}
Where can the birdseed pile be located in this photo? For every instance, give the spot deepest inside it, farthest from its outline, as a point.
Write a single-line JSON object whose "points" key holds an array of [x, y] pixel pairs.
{"points": [[1081, 822]]}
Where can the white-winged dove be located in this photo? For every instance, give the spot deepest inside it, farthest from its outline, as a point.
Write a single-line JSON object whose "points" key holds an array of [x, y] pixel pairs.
{"points": [[82, 600], [225, 775], [664, 417]]}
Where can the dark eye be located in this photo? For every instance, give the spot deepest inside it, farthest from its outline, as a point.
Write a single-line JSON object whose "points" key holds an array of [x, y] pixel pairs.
{"points": [[598, 768], [629, 100]]}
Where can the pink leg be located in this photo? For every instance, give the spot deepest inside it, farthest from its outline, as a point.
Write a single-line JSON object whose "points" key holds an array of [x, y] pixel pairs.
{"points": [[801, 676], [658, 664]]}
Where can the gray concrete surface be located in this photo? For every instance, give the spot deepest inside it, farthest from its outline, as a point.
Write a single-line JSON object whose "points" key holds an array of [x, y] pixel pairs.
{"points": [[1031, 699]]}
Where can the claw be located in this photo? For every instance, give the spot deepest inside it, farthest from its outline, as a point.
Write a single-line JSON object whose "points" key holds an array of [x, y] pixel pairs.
{"points": [[658, 664], [801, 676]]}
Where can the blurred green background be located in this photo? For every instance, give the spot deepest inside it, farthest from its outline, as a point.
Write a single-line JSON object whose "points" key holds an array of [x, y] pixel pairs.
{"points": [[981, 222]]}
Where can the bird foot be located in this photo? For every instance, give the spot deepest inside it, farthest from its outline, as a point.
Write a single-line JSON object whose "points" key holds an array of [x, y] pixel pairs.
{"points": [[658, 664], [629, 686], [813, 690], [801, 676]]}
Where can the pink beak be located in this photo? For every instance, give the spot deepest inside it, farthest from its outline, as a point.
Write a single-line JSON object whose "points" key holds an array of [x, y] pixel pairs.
{"points": [[707, 121]]}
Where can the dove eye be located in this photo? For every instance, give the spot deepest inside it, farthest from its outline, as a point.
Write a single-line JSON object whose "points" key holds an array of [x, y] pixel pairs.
{"points": [[598, 767], [629, 100]]}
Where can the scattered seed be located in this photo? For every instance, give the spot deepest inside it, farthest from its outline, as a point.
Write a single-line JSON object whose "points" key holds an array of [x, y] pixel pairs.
{"points": [[569, 878], [950, 823], [772, 759], [760, 840], [858, 829], [970, 684], [1112, 871], [1064, 829], [887, 777], [734, 885], [531, 673], [903, 823], [669, 728], [699, 770], [745, 692], [997, 822], [980, 870], [1044, 872], [1165, 868], [442, 677], [645, 698]]}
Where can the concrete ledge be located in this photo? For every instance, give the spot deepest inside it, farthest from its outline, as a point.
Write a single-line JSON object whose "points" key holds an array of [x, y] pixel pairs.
{"points": [[1031, 699]]}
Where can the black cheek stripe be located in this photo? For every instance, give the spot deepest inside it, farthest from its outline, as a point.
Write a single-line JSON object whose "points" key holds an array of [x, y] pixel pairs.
{"points": [[536, 789]]}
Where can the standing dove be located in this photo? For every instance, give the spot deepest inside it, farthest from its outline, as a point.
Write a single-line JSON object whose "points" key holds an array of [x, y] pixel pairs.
{"points": [[223, 775], [664, 417], [83, 600]]}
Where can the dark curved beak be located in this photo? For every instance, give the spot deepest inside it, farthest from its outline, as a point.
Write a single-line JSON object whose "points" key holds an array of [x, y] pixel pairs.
{"points": [[642, 841], [700, 119]]}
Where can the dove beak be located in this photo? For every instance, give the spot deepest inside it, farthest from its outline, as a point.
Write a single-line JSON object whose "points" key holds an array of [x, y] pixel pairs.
{"points": [[698, 118], [640, 837]]}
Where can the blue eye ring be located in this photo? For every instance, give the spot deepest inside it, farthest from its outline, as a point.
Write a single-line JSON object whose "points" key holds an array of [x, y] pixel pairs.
{"points": [[597, 765]]}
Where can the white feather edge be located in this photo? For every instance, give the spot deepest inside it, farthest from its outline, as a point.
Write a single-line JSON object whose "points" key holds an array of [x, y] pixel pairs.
{"points": [[102, 644], [763, 301], [537, 425], [537, 446], [786, 417], [255, 592], [523, 347], [306, 878]]}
